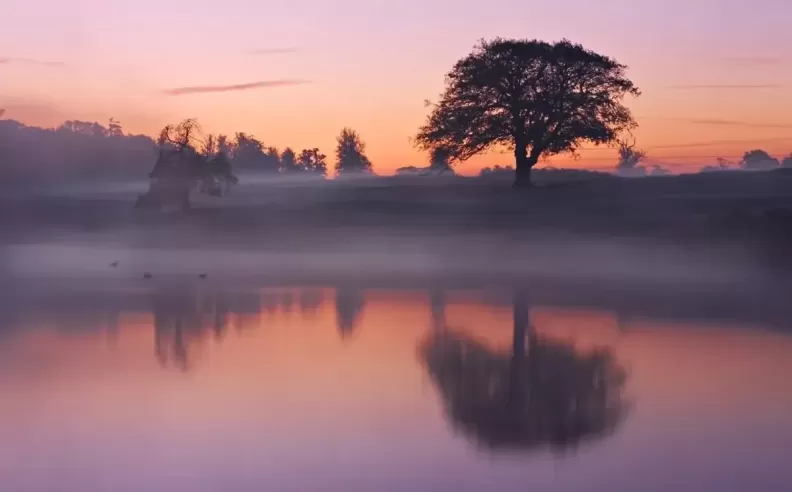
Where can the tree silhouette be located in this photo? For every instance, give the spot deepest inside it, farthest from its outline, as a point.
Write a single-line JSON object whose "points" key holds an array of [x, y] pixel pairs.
{"points": [[537, 98], [350, 156], [758, 160], [186, 163], [497, 170], [787, 162], [288, 161], [544, 395], [312, 161], [629, 159]]}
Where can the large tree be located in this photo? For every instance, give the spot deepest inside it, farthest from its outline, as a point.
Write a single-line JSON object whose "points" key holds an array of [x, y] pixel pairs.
{"points": [[536, 98], [350, 153]]}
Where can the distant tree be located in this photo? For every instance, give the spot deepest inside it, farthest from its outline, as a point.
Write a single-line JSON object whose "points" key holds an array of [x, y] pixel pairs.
{"points": [[288, 161], [350, 153], [272, 159], [249, 153], [312, 161], [722, 164], [629, 159], [83, 127], [787, 162], [497, 171], [537, 98], [2, 112], [659, 171], [185, 163], [758, 160], [440, 160], [114, 128], [225, 146]]}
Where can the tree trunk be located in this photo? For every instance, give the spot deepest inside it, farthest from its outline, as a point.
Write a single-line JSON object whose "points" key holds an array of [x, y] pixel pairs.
{"points": [[516, 402], [524, 163]]}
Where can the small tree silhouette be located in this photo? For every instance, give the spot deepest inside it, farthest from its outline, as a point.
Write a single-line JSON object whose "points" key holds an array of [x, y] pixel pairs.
{"points": [[629, 158], [787, 162], [312, 161], [350, 153], [758, 160], [537, 98], [288, 161]]}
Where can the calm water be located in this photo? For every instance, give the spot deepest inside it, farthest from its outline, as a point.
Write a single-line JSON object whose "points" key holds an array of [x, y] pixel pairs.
{"points": [[197, 388]]}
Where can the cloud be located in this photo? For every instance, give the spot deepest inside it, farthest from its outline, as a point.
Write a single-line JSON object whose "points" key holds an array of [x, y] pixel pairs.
{"points": [[716, 122], [30, 61], [714, 143], [754, 60], [726, 86], [202, 89], [273, 51]]}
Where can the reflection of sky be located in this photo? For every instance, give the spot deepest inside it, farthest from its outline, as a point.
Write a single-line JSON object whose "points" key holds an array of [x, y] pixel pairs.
{"points": [[372, 65], [281, 393]]}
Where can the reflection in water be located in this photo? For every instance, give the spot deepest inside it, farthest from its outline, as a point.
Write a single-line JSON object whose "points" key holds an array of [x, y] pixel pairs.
{"points": [[349, 304], [79, 413], [547, 395], [437, 301], [310, 300], [184, 317]]}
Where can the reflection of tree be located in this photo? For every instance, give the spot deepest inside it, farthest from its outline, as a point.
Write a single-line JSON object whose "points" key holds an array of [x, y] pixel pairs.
{"points": [[349, 304], [548, 395], [181, 320], [437, 301], [310, 300]]}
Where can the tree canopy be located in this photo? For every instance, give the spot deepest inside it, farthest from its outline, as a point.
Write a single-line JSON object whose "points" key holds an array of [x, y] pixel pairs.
{"points": [[758, 160], [536, 98], [350, 153], [312, 161], [187, 162]]}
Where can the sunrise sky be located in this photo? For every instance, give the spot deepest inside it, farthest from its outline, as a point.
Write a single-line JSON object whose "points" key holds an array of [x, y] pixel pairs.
{"points": [[716, 75]]}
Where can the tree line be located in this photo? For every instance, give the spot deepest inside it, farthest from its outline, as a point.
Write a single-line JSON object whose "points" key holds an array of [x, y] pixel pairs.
{"points": [[82, 150], [534, 98]]}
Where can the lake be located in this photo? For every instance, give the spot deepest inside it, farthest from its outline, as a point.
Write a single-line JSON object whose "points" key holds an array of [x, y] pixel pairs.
{"points": [[203, 386]]}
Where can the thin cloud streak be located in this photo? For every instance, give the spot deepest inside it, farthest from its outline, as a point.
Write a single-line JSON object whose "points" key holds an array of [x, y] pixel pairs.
{"points": [[716, 122], [31, 61], [203, 89], [726, 86], [273, 51], [714, 143]]}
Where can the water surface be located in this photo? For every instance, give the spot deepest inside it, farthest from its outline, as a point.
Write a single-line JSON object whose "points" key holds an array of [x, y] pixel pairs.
{"points": [[194, 387]]}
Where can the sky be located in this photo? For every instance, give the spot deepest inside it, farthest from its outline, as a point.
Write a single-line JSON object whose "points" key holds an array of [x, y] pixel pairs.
{"points": [[716, 75]]}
